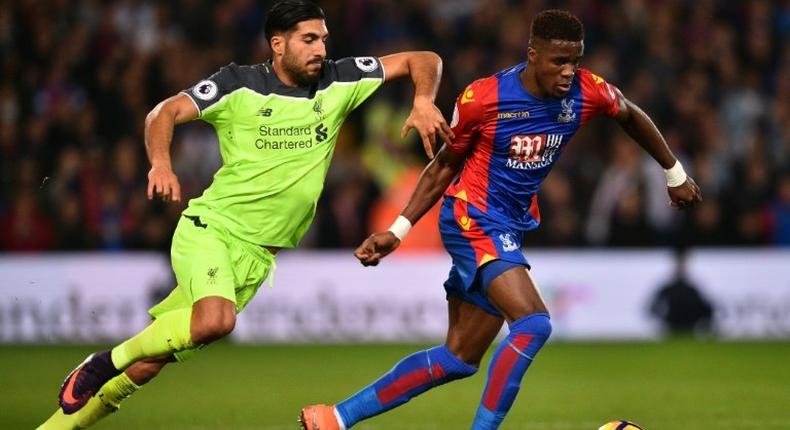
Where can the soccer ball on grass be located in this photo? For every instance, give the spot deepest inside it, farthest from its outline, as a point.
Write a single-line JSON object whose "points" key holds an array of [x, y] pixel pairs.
{"points": [[620, 425]]}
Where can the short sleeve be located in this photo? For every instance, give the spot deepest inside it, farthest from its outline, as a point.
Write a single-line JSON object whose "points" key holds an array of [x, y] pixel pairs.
{"points": [[209, 95], [467, 117], [363, 76], [599, 96]]}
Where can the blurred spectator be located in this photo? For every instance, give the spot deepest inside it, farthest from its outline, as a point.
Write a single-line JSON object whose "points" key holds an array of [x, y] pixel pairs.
{"points": [[25, 228], [680, 305], [78, 78], [779, 212]]}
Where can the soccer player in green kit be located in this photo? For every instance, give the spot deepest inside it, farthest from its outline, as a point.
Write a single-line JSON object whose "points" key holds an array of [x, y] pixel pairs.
{"points": [[277, 124]]}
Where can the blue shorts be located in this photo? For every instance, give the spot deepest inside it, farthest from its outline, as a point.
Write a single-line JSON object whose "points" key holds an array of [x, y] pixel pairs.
{"points": [[481, 249]]}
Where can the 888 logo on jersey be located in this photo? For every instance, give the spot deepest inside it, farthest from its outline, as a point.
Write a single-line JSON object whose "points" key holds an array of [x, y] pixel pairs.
{"points": [[532, 151]]}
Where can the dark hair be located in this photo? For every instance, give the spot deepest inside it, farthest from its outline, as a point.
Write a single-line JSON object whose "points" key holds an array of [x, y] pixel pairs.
{"points": [[286, 14], [558, 25]]}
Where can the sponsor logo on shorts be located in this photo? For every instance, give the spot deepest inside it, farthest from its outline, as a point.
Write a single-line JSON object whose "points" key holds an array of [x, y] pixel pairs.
{"points": [[508, 244]]}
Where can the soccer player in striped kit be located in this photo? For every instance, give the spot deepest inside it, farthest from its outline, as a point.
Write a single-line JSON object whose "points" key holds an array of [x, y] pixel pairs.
{"points": [[509, 131]]}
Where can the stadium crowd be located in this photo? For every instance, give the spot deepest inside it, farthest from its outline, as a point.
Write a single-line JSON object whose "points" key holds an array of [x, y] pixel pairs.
{"points": [[78, 78]]}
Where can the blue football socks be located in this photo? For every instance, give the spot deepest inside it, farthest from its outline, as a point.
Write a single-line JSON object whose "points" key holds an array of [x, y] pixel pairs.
{"points": [[411, 377], [511, 360]]}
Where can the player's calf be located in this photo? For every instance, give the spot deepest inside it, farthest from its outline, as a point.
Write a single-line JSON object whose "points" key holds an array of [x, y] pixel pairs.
{"points": [[144, 371], [410, 377], [508, 365]]}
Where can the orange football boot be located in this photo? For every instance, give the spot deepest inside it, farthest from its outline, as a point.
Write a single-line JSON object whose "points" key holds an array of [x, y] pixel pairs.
{"points": [[318, 417]]}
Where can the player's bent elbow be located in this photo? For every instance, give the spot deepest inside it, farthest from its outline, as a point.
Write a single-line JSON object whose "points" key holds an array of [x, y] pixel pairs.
{"points": [[433, 58], [154, 114]]}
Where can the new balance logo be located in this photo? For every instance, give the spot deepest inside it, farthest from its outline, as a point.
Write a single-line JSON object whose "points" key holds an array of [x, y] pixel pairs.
{"points": [[265, 112]]}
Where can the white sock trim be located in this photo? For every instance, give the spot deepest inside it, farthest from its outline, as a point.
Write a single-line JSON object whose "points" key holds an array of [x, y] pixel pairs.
{"points": [[340, 422]]}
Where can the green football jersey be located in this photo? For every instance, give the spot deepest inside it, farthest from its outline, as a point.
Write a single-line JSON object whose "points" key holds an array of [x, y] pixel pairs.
{"points": [[276, 143]]}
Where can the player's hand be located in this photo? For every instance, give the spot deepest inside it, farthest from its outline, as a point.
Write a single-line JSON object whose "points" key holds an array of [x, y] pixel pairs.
{"points": [[429, 122], [376, 247], [685, 195], [163, 183]]}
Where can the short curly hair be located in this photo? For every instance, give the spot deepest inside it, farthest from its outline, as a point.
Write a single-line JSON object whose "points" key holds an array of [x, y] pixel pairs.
{"points": [[557, 24]]}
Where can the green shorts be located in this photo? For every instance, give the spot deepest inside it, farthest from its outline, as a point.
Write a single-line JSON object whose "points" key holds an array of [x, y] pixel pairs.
{"points": [[209, 261]]}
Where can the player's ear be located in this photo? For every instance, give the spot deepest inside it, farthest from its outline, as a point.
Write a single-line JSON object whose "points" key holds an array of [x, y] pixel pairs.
{"points": [[278, 44], [532, 54]]}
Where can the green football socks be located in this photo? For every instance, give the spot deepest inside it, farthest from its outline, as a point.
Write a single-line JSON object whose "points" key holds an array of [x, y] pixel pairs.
{"points": [[168, 333], [105, 402]]}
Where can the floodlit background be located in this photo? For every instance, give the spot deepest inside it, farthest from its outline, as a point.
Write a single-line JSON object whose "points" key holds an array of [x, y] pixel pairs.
{"points": [[83, 253]]}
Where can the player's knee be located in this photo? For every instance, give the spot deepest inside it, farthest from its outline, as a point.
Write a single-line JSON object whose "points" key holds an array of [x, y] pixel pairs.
{"points": [[453, 366], [210, 329], [464, 369], [538, 325], [470, 356]]}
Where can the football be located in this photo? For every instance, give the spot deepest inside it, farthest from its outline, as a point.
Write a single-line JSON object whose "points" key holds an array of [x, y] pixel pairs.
{"points": [[620, 425]]}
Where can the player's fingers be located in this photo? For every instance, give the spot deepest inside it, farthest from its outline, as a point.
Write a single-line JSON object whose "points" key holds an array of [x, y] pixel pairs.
{"points": [[428, 148], [165, 191], [374, 259], [176, 191], [158, 187], [150, 189], [429, 141], [367, 247], [447, 131], [443, 136], [361, 254], [405, 130]]}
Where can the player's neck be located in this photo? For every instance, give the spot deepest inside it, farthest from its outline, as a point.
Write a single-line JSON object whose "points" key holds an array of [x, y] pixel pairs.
{"points": [[530, 84], [282, 75]]}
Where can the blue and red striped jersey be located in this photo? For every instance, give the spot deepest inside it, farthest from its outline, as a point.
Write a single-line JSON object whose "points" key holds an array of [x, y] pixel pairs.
{"points": [[512, 139]]}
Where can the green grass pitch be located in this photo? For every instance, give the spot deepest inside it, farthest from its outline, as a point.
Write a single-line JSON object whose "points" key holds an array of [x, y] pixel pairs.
{"points": [[679, 384]]}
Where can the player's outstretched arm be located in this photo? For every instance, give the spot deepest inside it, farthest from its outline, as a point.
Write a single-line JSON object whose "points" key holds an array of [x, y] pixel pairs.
{"points": [[683, 191], [425, 70], [159, 126], [433, 181]]}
